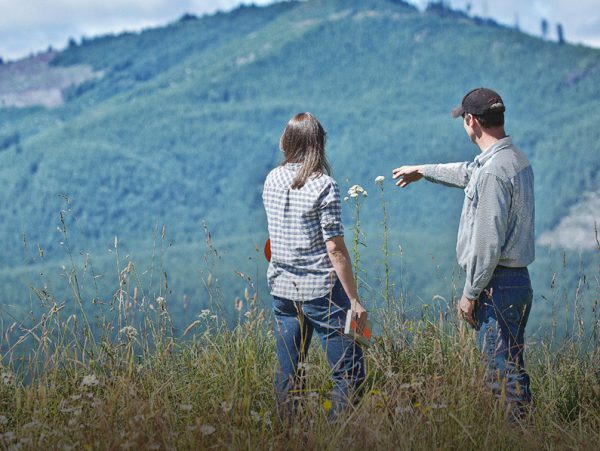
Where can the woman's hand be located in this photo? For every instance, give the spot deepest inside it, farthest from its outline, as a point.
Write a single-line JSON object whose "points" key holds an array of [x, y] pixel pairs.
{"points": [[361, 314]]}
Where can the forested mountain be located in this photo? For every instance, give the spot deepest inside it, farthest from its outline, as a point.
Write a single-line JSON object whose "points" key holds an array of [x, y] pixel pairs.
{"points": [[178, 125]]}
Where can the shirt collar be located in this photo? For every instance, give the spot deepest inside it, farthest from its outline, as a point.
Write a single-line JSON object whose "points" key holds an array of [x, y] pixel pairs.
{"points": [[488, 153], [292, 166]]}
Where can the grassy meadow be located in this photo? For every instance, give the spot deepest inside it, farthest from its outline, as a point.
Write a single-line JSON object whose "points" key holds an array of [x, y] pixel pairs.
{"points": [[121, 376]]}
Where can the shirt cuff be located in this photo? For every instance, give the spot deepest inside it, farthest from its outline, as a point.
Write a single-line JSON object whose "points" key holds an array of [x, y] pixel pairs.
{"points": [[332, 231], [470, 292], [429, 171]]}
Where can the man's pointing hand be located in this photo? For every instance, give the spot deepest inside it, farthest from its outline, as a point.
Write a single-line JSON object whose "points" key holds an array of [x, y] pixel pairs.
{"points": [[407, 175]]}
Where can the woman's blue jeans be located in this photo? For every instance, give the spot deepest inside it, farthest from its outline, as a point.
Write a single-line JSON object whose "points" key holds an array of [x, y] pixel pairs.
{"points": [[501, 315], [295, 322]]}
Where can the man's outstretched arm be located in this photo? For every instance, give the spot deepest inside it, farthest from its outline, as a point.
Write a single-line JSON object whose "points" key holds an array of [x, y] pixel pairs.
{"points": [[451, 174]]}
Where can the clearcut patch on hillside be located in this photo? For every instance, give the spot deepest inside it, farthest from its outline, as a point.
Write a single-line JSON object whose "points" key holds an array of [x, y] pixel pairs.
{"points": [[33, 81], [577, 231]]}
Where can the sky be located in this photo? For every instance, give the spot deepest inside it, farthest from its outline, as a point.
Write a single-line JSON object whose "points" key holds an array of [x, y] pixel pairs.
{"points": [[29, 26]]}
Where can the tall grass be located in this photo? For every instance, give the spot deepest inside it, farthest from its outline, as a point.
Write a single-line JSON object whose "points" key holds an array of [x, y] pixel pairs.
{"points": [[131, 383]]}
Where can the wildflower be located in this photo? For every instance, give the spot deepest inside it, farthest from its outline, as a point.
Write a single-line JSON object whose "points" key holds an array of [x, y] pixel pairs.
{"points": [[204, 313], [161, 302], [346, 199], [185, 407], [7, 377], [438, 406], [327, 405], [255, 416], [379, 179], [399, 410], [248, 314], [356, 190], [89, 381], [129, 331], [3, 419], [9, 436], [32, 425], [207, 429], [303, 366], [97, 403], [238, 304], [226, 406]]}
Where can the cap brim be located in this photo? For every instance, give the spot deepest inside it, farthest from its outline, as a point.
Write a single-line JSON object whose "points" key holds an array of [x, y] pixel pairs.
{"points": [[458, 111]]}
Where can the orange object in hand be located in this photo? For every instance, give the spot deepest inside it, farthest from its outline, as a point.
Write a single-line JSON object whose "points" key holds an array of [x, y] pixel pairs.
{"points": [[268, 249]]}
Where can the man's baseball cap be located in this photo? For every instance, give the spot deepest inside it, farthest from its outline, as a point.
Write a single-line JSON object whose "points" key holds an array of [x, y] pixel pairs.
{"points": [[480, 101]]}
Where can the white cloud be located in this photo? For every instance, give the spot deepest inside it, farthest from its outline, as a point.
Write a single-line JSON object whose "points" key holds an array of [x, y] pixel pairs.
{"points": [[580, 18], [32, 25]]}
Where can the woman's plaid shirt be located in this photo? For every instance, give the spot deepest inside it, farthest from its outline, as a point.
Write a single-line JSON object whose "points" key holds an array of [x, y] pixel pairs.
{"points": [[300, 221]]}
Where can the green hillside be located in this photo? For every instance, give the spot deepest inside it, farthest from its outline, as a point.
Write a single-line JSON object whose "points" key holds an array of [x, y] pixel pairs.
{"points": [[184, 124]]}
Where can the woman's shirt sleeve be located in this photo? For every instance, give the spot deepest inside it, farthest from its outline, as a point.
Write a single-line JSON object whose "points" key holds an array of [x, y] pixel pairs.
{"points": [[330, 211]]}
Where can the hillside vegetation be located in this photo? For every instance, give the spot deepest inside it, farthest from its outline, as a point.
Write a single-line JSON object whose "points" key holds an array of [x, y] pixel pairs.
{"points": [[183, 125]]}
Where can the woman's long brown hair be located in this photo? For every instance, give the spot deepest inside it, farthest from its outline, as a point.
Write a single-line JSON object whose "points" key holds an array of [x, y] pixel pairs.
{"points": [[303, 141]]}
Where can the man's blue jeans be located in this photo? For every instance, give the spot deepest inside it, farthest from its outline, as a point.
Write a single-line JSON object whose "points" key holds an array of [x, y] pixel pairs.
{"points": [[295, 322], [501, 315]]}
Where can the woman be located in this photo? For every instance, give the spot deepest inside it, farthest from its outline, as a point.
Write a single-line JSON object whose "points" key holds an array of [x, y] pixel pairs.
{"points": [[310, 274]]}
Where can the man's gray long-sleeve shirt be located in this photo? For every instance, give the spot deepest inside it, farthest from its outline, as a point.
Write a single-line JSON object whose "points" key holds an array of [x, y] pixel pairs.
{"points": [[497, 219]]}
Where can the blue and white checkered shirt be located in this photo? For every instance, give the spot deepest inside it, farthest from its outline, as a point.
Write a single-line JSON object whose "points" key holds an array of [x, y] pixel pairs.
{"points": [[300, 221]]}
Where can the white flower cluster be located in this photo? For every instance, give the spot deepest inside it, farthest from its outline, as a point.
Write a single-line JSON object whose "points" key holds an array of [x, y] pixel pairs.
{"points": [[379, 180], [89, 381], [7, 377], [207, 429], [129, 331], [256, 417], [204, 313], [226, 406], [356, 190]]}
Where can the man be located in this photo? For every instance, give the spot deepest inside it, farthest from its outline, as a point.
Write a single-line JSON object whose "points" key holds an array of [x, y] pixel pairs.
{"points": [[495, 241]]}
